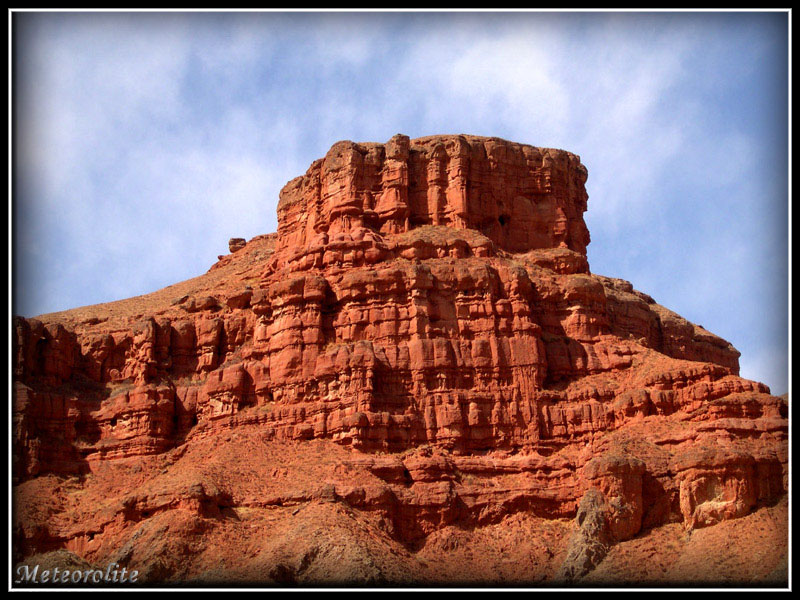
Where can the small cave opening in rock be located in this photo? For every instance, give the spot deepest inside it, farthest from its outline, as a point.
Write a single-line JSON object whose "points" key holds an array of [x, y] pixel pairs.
{"points": [[407, 477]]}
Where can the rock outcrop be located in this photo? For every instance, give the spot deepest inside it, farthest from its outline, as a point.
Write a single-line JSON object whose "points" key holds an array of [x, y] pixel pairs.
{"points": [[426, 307]]}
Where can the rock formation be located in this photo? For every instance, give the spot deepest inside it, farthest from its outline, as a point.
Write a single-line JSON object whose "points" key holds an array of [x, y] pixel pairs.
{"points": [[418, 355]]}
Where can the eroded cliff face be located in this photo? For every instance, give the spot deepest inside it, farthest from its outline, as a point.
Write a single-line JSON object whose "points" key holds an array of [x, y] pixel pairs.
{"points": [[520, 197], [426, 307]]}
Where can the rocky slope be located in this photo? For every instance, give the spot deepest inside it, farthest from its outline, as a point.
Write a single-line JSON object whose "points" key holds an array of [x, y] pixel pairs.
{"points": [[417, 379]]}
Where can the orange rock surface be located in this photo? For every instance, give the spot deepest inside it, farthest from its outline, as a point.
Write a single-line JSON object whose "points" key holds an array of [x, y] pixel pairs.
{"points": [[417, 379]]}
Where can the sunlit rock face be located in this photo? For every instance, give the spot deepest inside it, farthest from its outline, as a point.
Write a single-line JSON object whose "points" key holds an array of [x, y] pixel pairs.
{"points": [[426, 311], [521, 197]]}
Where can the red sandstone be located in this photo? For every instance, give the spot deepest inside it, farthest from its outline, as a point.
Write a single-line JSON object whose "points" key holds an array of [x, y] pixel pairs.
{"points": [[417, 369]]}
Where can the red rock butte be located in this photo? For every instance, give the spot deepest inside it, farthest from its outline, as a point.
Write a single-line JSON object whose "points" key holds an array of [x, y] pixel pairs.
{"points": [[416, 380]]}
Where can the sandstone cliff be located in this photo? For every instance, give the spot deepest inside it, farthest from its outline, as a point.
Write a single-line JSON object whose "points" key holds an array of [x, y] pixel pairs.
{"points": [[420, 346]]}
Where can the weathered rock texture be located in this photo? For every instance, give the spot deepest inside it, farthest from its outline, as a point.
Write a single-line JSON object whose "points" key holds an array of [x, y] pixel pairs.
{"points": [[420, 354]]}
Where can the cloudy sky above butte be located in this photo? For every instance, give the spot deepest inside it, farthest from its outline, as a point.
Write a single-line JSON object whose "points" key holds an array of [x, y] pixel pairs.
{"points": [[145, 141]]}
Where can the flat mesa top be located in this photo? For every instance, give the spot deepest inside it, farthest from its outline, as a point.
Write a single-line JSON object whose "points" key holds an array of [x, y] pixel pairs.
{"points": [[472, 140]]}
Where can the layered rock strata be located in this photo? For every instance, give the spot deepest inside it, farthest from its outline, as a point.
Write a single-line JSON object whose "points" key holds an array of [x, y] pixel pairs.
{"points": [[428, 305]]}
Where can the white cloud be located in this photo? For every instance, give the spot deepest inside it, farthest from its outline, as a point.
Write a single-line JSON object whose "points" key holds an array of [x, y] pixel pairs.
{"points": [[147, 143]]}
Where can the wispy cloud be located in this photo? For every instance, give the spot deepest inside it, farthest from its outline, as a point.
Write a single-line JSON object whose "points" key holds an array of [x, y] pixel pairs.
{"points": [[146, 141]]}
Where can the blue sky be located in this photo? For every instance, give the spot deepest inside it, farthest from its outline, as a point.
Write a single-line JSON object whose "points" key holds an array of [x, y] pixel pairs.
{"points": [[145, 141]]}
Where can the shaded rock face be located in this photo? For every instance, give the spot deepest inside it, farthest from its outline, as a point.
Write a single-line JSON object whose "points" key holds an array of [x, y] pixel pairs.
{"points": [[426, 304]]}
